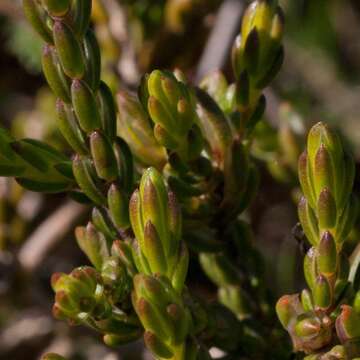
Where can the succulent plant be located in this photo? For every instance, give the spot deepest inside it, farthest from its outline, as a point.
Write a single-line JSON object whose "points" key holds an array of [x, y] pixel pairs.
{"points": [[169, 174]]}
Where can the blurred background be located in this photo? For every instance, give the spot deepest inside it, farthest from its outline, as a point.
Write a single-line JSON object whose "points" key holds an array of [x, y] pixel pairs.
{"points": [[320, 80]]}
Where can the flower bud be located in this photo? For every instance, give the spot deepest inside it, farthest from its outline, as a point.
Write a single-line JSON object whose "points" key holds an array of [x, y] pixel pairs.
{"points": [[326, 210], [85, 106], [310, 268], [322, 293], [75, 293], [287, 308], [312, 333], [153, 249], [54, 74], [327, 256], [93, 244], [214, 126], [122, 249], [102, 222], [134, 126], [305, 181], [171, 107], [259, 50], [85, 176], [154, 199], [118, 206], [103, 156], [69, 128], [69, 51], [38, 19], [306, 300], [308, 221], [154, 319], [308, 327]]}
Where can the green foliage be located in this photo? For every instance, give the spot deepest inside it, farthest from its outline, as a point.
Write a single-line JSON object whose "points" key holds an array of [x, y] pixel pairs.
{"points": [[168, 173]]}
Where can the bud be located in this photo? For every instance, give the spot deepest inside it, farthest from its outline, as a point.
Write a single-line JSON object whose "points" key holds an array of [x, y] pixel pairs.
{"points": [[75, 293], [181, 319], [214, 126], [69, 51], [153, 290], [156, 221], [323, 173], [164, 138], [307, 301], [57, 8], [54, 74], [308, 221], [326, 210], [305, 181], [103, 156], [287, 308], [69, 128], [118, 206], [312, 333], [325, 160], [85, 106], [327, 256], [134, 126], [258, 49], [154, 199], [93, 244], [102, 222], [348, 324], [86, 178], [170, 105], [310, 268], [322, 293], [154, 319], [123, 250], [308, 327], [153, 250], [38, 18]]}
